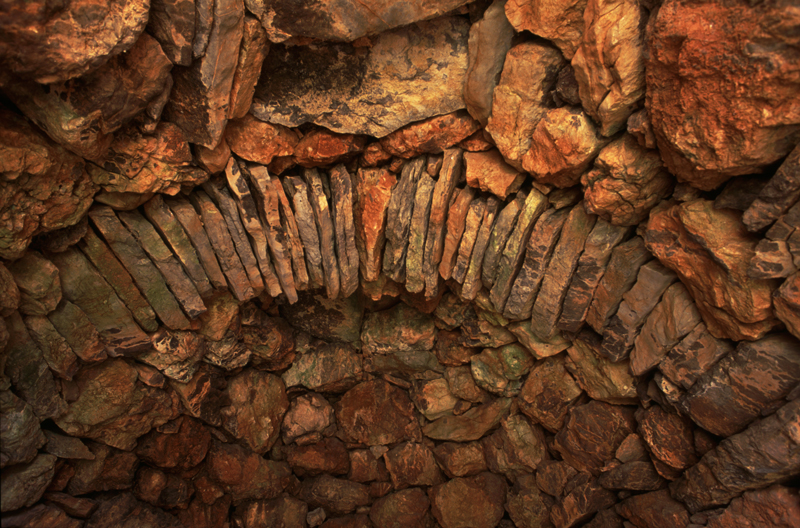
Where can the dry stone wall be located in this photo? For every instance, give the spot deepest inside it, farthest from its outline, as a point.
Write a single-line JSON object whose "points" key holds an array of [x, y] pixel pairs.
{"points": [[442, 264]]}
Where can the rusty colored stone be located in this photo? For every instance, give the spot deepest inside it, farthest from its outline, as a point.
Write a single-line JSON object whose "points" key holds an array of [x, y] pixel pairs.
{"points": [[655, 509], [558, 21], [306, 230], [373, 191], [252, 51], [472, 425], [405, 508], [488, 171], [548, 393], [329, 455], [456, 223], [184, 449], [777, 196], [412, 464], [585, 499], [398, 219], [37, 282], [327, 236], [599, 377], [213, 160], [320, 147], [776, 507], [244, 474], [460, 459], [469, 501], [432, 135], [415, 274], [55, 349], [376, 413], [787, 304], [258, 141]]}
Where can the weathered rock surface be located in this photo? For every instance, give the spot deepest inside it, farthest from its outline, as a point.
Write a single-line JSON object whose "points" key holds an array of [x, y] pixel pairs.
{"points": [[499, 370], [400, 509], [50, 188], [398, 219], [306, 230], [20, 433], [38, 284], [656, 509], [777, 196], [23, 485], [415, 273], [366, 91], [344, 224], [431, 136], [710, 251], [327, 236], [563, 144], [258, 403], [600, 378], [526, 505], [328, 368], [376, 413], [625, 182], [776, 506], [472, 279], [252, 51], [244, 474], [258, 141], [456, 223], [471, 425], [321, 147], [469, 502], [529, 73], [694, 149], [561, 22], [585, 499], [373, 189], [200, 98]]}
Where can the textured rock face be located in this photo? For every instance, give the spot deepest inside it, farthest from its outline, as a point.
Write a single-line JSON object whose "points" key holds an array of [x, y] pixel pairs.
{"points": [[373, 84], [559, 21], [709, 250], [712, 146]]}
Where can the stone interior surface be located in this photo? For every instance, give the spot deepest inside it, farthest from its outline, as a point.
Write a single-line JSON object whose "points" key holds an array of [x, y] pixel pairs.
{"points": [[400, 264]]}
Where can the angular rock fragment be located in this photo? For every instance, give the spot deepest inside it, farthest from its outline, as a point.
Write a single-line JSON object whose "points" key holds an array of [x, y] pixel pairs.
{"points": [[707, 246], [415, 273], [175, 354], [625, 182], [620, 275], [203, 396], [78, 331], [38, 284], [764, 120], [548, 393], [610, 88], [263, 227], [180, 285], [488, 171], [777, 196], [329, 455], [776, 506], [258, 403], [673, 318], [412, 464], [585, 499], [501, 230], [472, 279], [107, 469], [309, 414], [433, 135], [284, 510], [246, 475], [499, 370], [333, 494], [469, 501], [635, 475], [471, 425], [365, 91], [556, 20], [530, 72], [398, 219], [601, 379], [754, 377], [144, 273], [307, 230], [656, 509], [258, 141], [668, 437], [693, 356], [172, 24], [456, 223], [24, 485], [402, 508], [373, 191], [252, 51], [346, 251], [547, 308], [86, 288], [512, 255], [327, 368], [55, 349], [20, 433], [489, 41], [526, 505], [472, 224], [327, 237], [637, 303], [516, 447], [184, 448], [320, 147], [200, 99]]}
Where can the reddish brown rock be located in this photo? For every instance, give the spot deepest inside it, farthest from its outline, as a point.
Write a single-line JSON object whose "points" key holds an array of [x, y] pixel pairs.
{"points": [[548, 393], [472, 279], [462, 385], [611, 87], [78, 331], [108, 469], [776, 506], [488, 171], [693, 356], [308, 414], [290, 229], [376, 413], [472, 224], [172, 23], [755, 376], [327, 237], [654, 510], [471, 502], [398, 219], [346, 250], [326, 368], [489, 41], [635, 475], [456, 223], [592, 434], [55, 349], [20, 433], [75, 506], [373, 189], [38, 284], [183, 448], [405, 508], [213, 160], [320, 147], [252, 51], [529, 73], [258, 403], [639, 127], [503, 226], [707, 246], [668, 437], [563, 145], [329, 455], [585, 499], [333, 494], [24, 484], [51, 189], [722, 473], [115, 417], [433, 398], [625, 182], [246, 475], [516, 447], [787, 304], [526, 505], [306, 229], [138, 163], [412, 464], [599, 377], [692, 149], [558, 21], [258, 141], [777, 196], [161, 489], [553, 475], [282, 511], [459, 459], [433, 135], [204, 395], [471, 425]]}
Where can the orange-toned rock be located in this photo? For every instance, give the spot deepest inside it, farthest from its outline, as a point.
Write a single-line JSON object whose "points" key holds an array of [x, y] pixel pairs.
{"points": [[172, 23], [48, 44], [475, 502], [373, 190], [432, 135], [560, 21], [530, 72], [609, 63], [376, 413], [488, 171], [253, 50], [563, 145], [709, 125], [774, 507], [329, 455], [402, 509], [183, 448], [625, 182], [258, 141], [258, 403], [787, 304], [321, 147], [213, 160], [710, 250], [245, 475]]}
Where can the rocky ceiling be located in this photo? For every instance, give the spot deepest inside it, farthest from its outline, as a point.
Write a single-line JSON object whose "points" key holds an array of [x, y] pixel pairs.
{"points": [[451, 264]]}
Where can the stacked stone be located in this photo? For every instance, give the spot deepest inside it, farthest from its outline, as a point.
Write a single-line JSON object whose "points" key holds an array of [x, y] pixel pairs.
{"points": [[399, 265]]}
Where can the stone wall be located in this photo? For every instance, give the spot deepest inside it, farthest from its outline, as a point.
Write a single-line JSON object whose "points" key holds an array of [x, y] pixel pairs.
{"points": [[410, 264]]}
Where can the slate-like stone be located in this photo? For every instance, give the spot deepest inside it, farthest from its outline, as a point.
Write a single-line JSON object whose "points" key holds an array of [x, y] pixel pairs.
{"points": [[327, 236], [777, 196], [203, 396], [540, 246], [20, 432], [256, 261], [188, 219], [24, 485], [620, 275], [668, 437], [603, 238], [38, 283], [172, 24], [563, 262], [85, 287], [307, 230], [635, 475], [548, 393], [252, 51], [600, 378], [472, 224], [221, 242], [449, 176], [365, 93], [181, 286], [346, 251], [776, 506], [592, 434], [501, 230], [656, 509], [55, 349], [472, 280], [262, 226], [415, 273], [292, 236], [585, 499], [693, 356], [200, 98], [637, 303], [398, 219], [373, 190], [787, 304], [78, 331], [456, 224], [513, 253], [756, 376], [472, 425]]}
